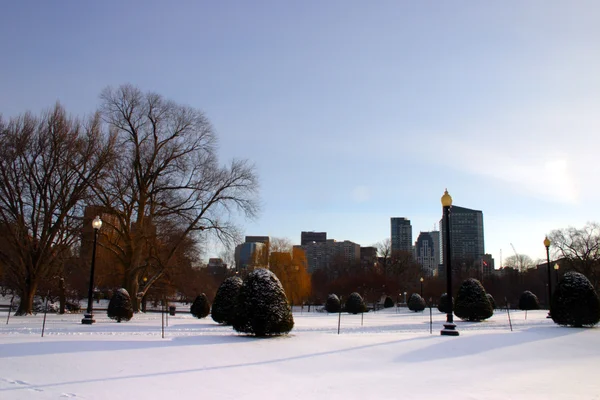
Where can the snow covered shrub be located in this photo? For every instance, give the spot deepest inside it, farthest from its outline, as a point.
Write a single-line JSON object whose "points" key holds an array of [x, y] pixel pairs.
{"points": [[333, 304], [528, 301], [444, 304], [492, 301], [200, 307], [472, 303], [355, 304], [223, 307], [119, 307], [575, 302], [39, 306], [388, 302], [262, 307], [416, 302]]}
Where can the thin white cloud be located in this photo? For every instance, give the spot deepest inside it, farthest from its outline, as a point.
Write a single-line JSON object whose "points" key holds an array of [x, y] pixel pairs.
{"points": [[361, 194]]}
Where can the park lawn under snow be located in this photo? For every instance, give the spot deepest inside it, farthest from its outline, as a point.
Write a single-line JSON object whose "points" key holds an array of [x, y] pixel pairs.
{"points": [[391, 356]]}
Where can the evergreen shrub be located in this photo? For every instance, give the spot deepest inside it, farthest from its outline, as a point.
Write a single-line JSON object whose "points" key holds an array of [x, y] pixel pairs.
{"points": [[416, 302], [333, 304], [575, 302], [355, 304], [119, 307], [262, 308], [444, 304], [492, 301], [528, 301], [223, 307], [472, 303], [388, 302], [200, 307]]}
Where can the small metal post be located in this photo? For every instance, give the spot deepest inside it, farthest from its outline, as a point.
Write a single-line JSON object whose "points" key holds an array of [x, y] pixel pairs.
{"points": [[45, 312], [508, 312], [10, 309], [430, 317], [162, 319], [340, 315]]}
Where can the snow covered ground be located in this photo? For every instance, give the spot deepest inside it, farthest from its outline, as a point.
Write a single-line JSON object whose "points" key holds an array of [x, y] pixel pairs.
{"points": [[391, 356]]}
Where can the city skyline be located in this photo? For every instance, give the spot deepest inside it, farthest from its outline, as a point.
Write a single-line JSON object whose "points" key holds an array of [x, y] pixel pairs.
{"points": [[352, 112]]}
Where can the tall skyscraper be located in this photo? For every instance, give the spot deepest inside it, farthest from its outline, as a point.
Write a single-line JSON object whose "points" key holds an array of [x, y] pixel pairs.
{"points": [[426, 252], [466, 234], [401, 234]]}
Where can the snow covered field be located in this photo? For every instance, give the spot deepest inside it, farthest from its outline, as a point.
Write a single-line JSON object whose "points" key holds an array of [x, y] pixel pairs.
{"points": [[392, 356]]}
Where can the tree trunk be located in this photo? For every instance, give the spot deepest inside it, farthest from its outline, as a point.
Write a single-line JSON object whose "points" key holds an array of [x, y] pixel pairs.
{"points": [[132, 287], [26, 302]]}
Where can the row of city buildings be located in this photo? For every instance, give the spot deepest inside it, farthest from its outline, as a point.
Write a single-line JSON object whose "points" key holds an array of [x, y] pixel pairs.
{"points": [[466, 238]]}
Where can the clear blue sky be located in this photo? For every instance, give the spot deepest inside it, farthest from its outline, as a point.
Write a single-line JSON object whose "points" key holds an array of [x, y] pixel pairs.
{"points": [[354, 112]]}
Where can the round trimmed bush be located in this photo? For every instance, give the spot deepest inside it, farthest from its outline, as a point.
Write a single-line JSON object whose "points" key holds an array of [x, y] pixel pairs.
{"points": [[262, 308], [416, 302], [223, 307], [200, 307], [355, 304], [472, 303], [575, 302], [333, 304], [492, 301], [444, 304], [528, 301], [388, 302], [119, 307]]}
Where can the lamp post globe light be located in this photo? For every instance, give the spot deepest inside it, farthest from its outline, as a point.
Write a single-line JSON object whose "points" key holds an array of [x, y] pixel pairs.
{"points": [[449, 326], [88, 317], [421, 286], [547, 244], [556, 267]]}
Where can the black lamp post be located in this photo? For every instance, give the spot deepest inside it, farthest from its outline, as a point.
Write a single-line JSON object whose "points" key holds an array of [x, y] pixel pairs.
{"points": [[547, 244], [421, 286], [449, 326], [556, 267], [88, 317]]}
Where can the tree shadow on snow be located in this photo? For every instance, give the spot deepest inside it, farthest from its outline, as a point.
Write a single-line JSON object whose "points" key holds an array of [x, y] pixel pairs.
{"points": [[467, 345], [63, 347]]}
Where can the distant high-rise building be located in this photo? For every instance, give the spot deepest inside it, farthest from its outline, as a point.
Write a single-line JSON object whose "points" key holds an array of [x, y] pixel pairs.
{"points": [[309, 237], [401, 234], [466, 234], [426, 252], [254, 252], [368, 256], [322, 254], [249, 255], [216, 266], [257, 239]]}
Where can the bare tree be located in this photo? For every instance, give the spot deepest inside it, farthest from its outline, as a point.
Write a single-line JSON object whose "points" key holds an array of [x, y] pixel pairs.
{"points": [[520, 262], [46, 167], [384, 252], [167, 183], [580, 248]]}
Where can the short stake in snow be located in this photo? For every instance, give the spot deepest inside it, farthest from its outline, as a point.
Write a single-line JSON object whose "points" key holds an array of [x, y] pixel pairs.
{"points": [[430, 316], [508, 312], [162, 319], [9, 309], [45, 312], [340, 315]]}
